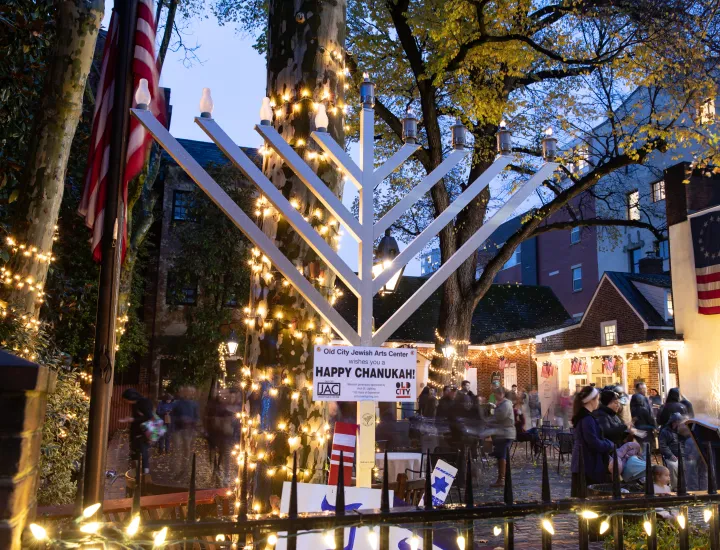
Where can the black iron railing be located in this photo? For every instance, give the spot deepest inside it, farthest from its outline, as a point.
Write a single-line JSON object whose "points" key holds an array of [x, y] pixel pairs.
{"points": [[243, 528]]}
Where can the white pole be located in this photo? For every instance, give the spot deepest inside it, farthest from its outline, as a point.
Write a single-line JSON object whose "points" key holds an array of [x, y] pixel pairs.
{"points": [[366, 409]]}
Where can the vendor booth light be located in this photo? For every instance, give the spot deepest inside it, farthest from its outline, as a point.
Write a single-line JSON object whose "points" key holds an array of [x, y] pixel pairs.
{"points": [[387, 251], [232, 342]]}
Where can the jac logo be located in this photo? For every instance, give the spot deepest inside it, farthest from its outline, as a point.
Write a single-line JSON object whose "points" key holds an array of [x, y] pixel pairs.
{"points": [[402, 390], [327, 389]]}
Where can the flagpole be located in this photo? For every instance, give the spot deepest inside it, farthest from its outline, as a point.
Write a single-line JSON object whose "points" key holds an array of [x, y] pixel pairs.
{"points": [[104, 353]]}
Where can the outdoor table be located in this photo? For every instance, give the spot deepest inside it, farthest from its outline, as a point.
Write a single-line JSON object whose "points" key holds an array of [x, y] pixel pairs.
{"points": [[398, 463]]}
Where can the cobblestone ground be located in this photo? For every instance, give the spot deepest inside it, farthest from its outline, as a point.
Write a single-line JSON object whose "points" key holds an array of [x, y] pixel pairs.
{"points": [[161, 467], [527, 483]]}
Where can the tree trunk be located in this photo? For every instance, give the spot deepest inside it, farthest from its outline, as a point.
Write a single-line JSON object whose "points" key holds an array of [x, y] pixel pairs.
{"points": [[305, 65], [54, 127]]}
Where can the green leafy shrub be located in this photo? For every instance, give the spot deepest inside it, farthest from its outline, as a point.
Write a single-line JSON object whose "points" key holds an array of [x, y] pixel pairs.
{"points": [[634, 537]]}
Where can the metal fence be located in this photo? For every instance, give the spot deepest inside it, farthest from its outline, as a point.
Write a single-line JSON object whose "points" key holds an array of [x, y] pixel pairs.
{"points": [[596, 515]]}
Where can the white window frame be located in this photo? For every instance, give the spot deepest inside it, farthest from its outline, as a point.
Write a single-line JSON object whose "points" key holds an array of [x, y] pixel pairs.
{"points": [[575, 231], [572, 275], [657, 190], [603, 336], [669, 306]]}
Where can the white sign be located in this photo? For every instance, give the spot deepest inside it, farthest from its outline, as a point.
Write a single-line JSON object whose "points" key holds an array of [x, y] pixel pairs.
{"points": [[441, 482], [355, 373], [321, 498]]}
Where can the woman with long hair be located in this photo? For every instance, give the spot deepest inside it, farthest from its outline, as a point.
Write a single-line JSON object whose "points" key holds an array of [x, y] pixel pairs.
{"points": [[588, 441]]}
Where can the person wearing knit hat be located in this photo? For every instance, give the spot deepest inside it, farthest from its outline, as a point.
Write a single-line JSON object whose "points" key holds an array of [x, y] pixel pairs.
{"points": [[588, 441]]}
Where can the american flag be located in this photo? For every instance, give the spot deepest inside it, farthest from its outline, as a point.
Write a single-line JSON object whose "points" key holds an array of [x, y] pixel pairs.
{"points": [[92, 204], [343, 440], [706, 246]]}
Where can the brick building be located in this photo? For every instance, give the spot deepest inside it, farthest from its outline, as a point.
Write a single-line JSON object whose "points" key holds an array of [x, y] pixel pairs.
{"points": [[626, 335]]}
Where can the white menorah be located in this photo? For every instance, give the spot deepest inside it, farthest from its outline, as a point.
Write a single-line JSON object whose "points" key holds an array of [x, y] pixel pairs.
{"points": [[364, 230]]}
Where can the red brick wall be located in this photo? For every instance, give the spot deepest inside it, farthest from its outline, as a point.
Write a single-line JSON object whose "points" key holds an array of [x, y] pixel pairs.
{"points": [[609, 305], [487, 364]]}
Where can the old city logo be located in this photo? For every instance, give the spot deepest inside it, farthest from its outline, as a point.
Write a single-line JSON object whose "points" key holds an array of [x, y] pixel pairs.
{"points": [[402, 390]]}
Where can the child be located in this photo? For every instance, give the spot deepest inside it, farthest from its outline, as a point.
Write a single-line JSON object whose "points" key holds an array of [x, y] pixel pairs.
{"points": [[661, 483], [661, 479]]}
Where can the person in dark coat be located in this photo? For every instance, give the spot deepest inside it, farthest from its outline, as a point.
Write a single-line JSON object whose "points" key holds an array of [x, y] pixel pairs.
{"points": [[672, 405], [655, 398], [688, 405], [641, 410], [446, 405], [142, 411], [427, 403], [612, 426], [588, 440], [669, 445]]}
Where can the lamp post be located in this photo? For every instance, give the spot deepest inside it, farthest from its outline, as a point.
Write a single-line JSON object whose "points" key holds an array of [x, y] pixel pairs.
{"points": [[386, 252], [232, 343], [448, 351]]}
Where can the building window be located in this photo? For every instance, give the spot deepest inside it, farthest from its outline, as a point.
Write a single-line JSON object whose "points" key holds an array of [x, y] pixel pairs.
{"points": [[577, 278], [514, 259], [581, 155], [608, 333], [664, 249], [180, 295], [633, 205], [706, 113], [669, 310], [658, 191], [634, 259], [182, 206], [575, 235]]}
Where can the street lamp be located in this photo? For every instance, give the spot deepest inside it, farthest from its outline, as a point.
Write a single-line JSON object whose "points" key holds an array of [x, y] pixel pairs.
{"points": [[232, 343], [386, 252], [447, 349]]}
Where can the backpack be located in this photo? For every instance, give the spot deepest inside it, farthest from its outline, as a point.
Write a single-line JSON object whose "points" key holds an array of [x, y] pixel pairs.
{"points": [[154, 429]]}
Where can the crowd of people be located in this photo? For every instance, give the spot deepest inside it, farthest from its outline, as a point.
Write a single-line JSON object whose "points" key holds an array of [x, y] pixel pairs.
{"points": [[605, 421], [601, 420], [176, 422]]}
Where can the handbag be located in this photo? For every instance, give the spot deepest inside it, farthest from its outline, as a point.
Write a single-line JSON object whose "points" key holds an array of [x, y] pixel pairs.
{"points": [[154, 428]]}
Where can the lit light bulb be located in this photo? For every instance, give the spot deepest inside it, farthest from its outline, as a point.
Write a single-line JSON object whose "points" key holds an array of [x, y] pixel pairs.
{"points": [[589, 514], [90, 510], [549, 132], [321, 118], [133, 527], [604, 526], [681, 521], [414, 542], [38, 532], [373, 539], [91, 527], [329, 538], [206, 103], [460, 542], [160, 537], [548, 526], [707, 515], [497, 530], [266, 112], [142, 94], [503, 124], [648, 527], [272, 539]]}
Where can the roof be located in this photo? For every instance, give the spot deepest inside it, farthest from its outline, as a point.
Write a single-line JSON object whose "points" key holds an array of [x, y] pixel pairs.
{"points": [[506, 312], [207, 153], [624, 283]]}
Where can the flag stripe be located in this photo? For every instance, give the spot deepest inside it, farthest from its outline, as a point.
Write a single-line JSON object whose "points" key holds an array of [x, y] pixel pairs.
{"points": [[92, 204]]}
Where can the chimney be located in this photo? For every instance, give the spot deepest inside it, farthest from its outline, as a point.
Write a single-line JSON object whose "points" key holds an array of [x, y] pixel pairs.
{"points": [[651, 264]]}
